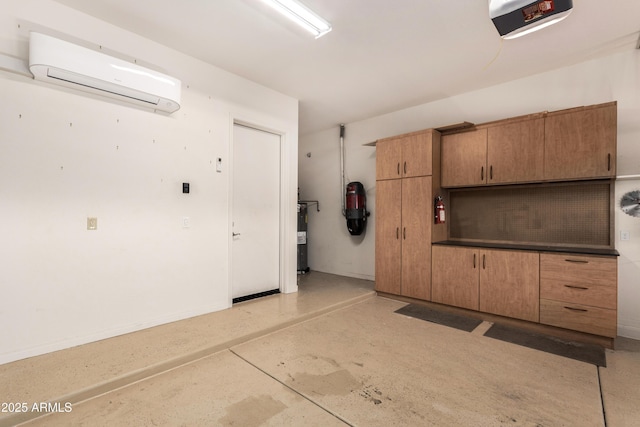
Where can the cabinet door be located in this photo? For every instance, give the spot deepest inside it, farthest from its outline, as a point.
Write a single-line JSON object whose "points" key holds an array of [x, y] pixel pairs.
{"points": [[388, 243], [417, 155], [455, 276], [510, 284], [464, 158], [417, 214], [515, 152], [581, 143], [388, 158]]}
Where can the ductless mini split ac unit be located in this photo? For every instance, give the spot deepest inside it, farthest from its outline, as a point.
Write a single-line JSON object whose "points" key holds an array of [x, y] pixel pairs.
{"points": [[66, 64]]}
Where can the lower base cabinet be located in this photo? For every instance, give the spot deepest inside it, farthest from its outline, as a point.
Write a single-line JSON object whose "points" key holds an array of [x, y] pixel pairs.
{"points": [[455, 277], [509, 284], [493, 281], [576, 292], [579, 292]]}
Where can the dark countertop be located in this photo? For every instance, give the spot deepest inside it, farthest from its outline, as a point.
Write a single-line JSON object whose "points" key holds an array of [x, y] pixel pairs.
{"points": [[525, 247]]}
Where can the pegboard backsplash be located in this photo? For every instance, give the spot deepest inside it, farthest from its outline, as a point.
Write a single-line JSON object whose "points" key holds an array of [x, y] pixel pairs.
{"points": [[557, 214]]}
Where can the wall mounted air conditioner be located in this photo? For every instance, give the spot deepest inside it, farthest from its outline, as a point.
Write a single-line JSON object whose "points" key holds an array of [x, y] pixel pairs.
{"points": [[63, 63]]}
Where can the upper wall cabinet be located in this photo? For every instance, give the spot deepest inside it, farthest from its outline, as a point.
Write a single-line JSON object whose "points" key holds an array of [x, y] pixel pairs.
{"points": [[515, 152], [581, 143], [464, 158], [403, 157], [506, 153]]}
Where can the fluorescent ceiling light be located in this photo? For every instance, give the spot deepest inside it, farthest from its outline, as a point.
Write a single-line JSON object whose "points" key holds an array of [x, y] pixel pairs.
{"points": [[301, 15]]}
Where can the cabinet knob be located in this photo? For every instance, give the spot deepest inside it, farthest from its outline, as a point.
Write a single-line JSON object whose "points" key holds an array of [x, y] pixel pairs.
{"points": [[577, 261], [397, 233], [491, 172], [398, 168], [404, 233], [474, 260], [405, 168], [608, 162], [482, 173]]}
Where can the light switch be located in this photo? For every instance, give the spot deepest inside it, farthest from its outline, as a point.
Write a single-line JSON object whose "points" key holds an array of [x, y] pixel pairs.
{"points": [[186, 222], [92, 223], [625, 235]]}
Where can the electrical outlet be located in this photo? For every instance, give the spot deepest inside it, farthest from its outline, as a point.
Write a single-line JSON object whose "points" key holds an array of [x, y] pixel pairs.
{"points": [[92, 223], [186, 222], [625, 235]]}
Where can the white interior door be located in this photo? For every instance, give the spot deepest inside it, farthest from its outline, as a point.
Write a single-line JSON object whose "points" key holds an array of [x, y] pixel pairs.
{"points": [[255, 211]]}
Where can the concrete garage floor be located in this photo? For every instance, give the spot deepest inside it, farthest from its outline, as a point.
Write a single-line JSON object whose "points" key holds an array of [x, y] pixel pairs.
{"points": [[333, 354]]}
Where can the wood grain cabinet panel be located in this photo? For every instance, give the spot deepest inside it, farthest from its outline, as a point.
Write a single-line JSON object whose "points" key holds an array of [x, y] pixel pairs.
{"points": [[515, 152], [417, 158], [581, 143], [464, 158], [455, 279], [388, 238], [577, 317], [417, 211], [388, 158], [509, 284]]}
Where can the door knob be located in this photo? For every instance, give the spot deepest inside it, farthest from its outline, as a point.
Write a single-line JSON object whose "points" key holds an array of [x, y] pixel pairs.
{"points": [[235, 234]]}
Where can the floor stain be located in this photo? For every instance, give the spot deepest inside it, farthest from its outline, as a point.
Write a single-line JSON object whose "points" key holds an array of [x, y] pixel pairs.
{"points": [[252, 411], [372, 394], [338, 383]]}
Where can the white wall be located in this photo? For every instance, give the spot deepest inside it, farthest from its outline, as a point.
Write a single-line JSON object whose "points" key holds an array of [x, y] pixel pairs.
{"points": [[616, 77], [65, 156]]}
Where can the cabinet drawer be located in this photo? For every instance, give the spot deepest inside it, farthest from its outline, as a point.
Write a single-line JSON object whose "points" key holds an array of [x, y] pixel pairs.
{"points": [[579, 279], [579, 269], [584, 318], [579, 293]]}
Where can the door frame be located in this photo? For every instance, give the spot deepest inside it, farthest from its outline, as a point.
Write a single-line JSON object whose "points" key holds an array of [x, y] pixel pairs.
{"points": [[284, 221]]}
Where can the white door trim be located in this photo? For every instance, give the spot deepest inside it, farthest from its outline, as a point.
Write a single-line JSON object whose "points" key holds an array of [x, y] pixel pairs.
{"points": [[285, 199]]}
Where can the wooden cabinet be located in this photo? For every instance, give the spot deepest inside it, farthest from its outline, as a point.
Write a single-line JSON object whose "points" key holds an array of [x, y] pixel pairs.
{"points": [[579, 293], [405, 156], [500, 154], [578, 143], [404, 213], [509, 284], [417, 214], [581, 143], [388, 217], [403, 237], [493, 281], [455, 279], [515, 152], [464, 158]]}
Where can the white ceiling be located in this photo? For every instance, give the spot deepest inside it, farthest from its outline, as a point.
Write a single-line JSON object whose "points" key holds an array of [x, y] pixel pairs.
{"points": [[381, 56]]}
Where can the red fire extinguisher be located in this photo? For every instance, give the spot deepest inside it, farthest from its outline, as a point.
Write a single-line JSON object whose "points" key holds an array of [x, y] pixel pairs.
{"points": [[439, 210]]}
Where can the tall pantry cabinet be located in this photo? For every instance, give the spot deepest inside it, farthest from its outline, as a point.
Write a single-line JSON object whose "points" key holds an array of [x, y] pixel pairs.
{"points": [[407, 181]]}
